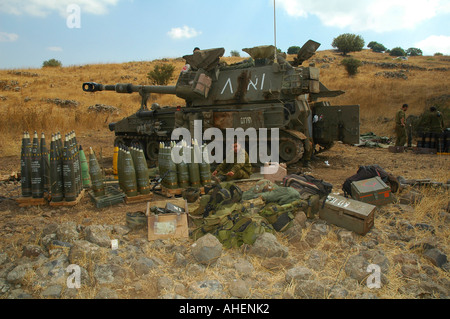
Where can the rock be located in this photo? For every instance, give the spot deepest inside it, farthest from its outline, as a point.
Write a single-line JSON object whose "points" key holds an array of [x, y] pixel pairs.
{"points": [[98, 235], [410, 270], [19, 274], [67, 232], [195, 269], [365, 295], [317, 260], [430, 270], [356, 268], [179, 288], [83, 252], [121, 230], [52, 292], [3, 258], [102, 108], [338, 292], [19, 294], [207, 249], [106, 293], [310, 289], [412, 197], [238, 288], [435, 256], [32, 251], [180, 260], [108, 273], [143, 266], [4, 286], [322, 228], [207, 289], [164, 283], [268, 246], [294, 233], [172, 297], [300, 219], [298, 274], [277, 263], [346, 237], [410, 259], [244, 267], [313, 238], [423, 289]]}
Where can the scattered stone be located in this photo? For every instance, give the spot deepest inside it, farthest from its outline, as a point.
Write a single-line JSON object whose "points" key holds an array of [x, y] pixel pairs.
{"points": [[143, 266], [18, 274], [435, 256], [317, 260], [410, 259], [180, 260], [195, 269], [83, 252], [52, 292], [102, 108], [67, 232], [106, 293], [277, 263], [313, 238], [294, 233], [4, 286], [207, 249], [356, 268], [32, 251], [3, 258], [164, 283], [300, 219], [64, 103], [346, 237], [98, 235], [268, 246], [322, 228], [238, 288], [19, 294], [207, 289], [409, 270], [244, 267], [298, 274], [179, 288], [311, 289]]}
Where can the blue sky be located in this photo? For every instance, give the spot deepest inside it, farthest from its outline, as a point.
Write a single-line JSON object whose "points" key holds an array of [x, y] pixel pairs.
{"points": [[110, 31]]}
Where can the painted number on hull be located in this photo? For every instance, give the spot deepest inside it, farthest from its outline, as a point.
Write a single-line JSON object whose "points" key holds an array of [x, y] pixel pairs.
{"points": [[246, 120]]}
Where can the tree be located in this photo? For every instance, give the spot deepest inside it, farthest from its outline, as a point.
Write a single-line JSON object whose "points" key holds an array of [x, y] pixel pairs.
{"points": [[161, 74], [235, 53], [348, 42], [438, 54], [414, 52], [351, 65], [52, 63], [378, 48], [397, 52], [293, 50], [372, 44]]}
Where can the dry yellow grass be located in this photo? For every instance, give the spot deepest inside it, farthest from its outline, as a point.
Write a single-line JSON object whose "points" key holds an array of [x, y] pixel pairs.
{"points": [[28, 109]]}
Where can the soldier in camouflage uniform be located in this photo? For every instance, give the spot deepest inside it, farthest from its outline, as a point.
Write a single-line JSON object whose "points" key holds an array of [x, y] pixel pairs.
{"points": [[433, 121], [240, 168], [400, 126]]}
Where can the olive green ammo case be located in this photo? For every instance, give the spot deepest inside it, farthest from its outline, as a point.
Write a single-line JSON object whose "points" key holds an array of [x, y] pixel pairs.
{"points": [[348, 213], [372, 191]]}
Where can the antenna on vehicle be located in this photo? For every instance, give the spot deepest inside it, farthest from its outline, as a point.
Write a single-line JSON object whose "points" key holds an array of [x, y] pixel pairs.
{"points": [[275, 27]]}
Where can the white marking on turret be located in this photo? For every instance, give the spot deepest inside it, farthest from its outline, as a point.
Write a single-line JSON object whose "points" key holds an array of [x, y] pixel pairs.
{"points": [[226, 84], [262, 82], [253, 84]]}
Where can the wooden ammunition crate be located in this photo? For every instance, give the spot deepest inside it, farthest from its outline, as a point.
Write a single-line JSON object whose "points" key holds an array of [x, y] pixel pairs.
{"points": [[348, 213], [174, 226], [112, 196], [372, 191]]}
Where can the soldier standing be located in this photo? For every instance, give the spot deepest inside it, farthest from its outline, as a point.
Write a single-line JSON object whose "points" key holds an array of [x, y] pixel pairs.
{"points": [[240, 168], [400, 126], [434, 126]]}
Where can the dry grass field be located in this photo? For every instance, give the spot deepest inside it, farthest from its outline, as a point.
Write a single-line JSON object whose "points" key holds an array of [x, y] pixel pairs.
{"points": [[29, 104]]}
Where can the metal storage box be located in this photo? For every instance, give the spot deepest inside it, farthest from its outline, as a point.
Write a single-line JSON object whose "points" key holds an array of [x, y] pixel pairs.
{"points": [[348, 213], [372, 191]]}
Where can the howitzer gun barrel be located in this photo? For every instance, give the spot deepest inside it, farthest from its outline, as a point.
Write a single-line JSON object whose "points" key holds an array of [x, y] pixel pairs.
{"points": [[128, 88]]}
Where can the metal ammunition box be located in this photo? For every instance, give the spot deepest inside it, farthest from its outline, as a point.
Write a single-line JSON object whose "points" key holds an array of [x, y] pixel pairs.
{"points": [[348, 213], [372, 191]]}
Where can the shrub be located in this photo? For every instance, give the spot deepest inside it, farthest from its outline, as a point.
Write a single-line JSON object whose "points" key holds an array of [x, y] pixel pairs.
{"points": [[161, 74], [348, 42], [414, 52], [438, 54], [52, 63], [293, 50], [397, 52], [378, 48], [351, 65], [372, 44], [235, 53]]}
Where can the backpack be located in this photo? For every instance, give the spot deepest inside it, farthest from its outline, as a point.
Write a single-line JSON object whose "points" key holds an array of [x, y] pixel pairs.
{"points": [[219, 194], [281, 216], [367, 172]]}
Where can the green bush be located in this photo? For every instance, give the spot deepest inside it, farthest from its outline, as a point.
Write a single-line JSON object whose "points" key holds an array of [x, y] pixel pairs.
{"points": [[378, 48], [235, 53], [348, 42], [52, 63], [161, 74], [397, 52], [414, 52], [351, 65], [438, 54], [293, 50]]}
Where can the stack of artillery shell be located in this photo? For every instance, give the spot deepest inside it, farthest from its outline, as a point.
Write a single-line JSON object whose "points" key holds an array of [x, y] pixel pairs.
{"points": [[56, 171], [95, 172], [132, 171], [196, 173]]}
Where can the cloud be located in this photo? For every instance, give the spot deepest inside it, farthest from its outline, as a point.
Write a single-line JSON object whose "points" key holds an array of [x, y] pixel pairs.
{"points": [[183, 33], [434, 44], [373, 15], [55, 49], [42, 8], [8, 37]]}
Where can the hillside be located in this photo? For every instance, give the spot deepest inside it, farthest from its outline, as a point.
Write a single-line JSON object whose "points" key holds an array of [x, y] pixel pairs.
{"points": [[51, 99]]}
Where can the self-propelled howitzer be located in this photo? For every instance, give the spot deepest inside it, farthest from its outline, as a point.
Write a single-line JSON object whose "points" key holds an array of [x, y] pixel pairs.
{"points": [[264, 91]]}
